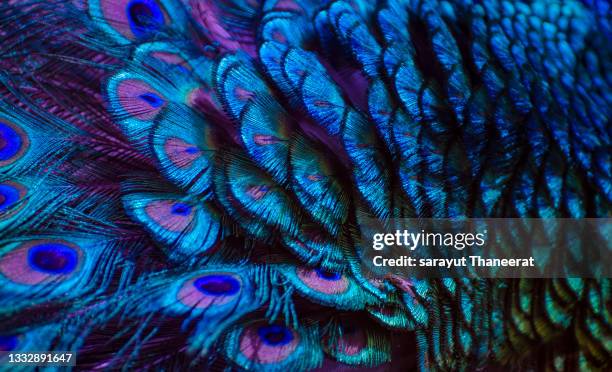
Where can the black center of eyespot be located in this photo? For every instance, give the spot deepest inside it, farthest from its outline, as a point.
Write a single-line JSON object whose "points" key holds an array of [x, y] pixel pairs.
{"points": [[141, 13], [152, 99], [53, 258], [328, 275], [217, 285], [275, 335], [181, 209], [145, 17]]}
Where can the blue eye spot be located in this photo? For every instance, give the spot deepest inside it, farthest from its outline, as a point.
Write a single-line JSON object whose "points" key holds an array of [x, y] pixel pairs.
{"points": [[192, 150], [10, 142], [8, 343], [181, 209], [145, 17], [9, 195], [275, 335], [328, 275], [152, 99], [53, 258], [217, 285]]}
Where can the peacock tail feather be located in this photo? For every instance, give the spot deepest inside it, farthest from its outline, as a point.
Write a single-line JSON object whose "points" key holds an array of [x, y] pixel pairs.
{"points": [[182, 181]]}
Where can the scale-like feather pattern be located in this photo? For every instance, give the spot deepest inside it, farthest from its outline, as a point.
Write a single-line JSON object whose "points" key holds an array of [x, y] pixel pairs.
{"points": [[198, 173]]}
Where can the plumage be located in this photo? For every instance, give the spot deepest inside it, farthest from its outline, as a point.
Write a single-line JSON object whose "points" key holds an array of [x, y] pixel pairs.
{"points": [[184, 183]]}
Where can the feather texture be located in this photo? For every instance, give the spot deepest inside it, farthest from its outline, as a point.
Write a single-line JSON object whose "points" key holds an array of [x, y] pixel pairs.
{"points": [[183, 182]]}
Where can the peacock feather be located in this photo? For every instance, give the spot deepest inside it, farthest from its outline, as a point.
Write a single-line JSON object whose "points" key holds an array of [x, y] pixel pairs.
{"points": [[182, 181]]}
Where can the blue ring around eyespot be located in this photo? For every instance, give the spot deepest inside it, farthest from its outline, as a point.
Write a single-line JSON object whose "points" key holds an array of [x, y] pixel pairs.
{"points": [[217, 285], [154, 21], [41, 258], [275, 335], [326, 275], [11, 142], [8, 343], [181, 209], [9, 196]]}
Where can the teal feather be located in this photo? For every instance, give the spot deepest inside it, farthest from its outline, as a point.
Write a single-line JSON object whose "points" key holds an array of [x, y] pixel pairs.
{"points": [[317, 187], [185, 227], [185, 184], [31, 142], [264, 346], [54, 267], [185, 155], [333, 289], [354, 345], [127, 21]]}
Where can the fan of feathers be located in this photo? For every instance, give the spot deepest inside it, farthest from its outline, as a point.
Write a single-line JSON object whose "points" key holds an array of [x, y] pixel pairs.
{"points": [[181, 182]]}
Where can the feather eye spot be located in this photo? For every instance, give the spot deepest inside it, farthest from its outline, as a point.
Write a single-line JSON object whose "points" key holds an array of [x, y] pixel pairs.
{"points": [[217, 285], [13, 143], [8, 343], [182, 154], [181, 209], [275, 335], [10, 194], [138, 99], [53, 258], [39, 261], [171, 215], [322, 281], [211, 289], [152, 99], [268, 343], [327, 275], [145, 17]]}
